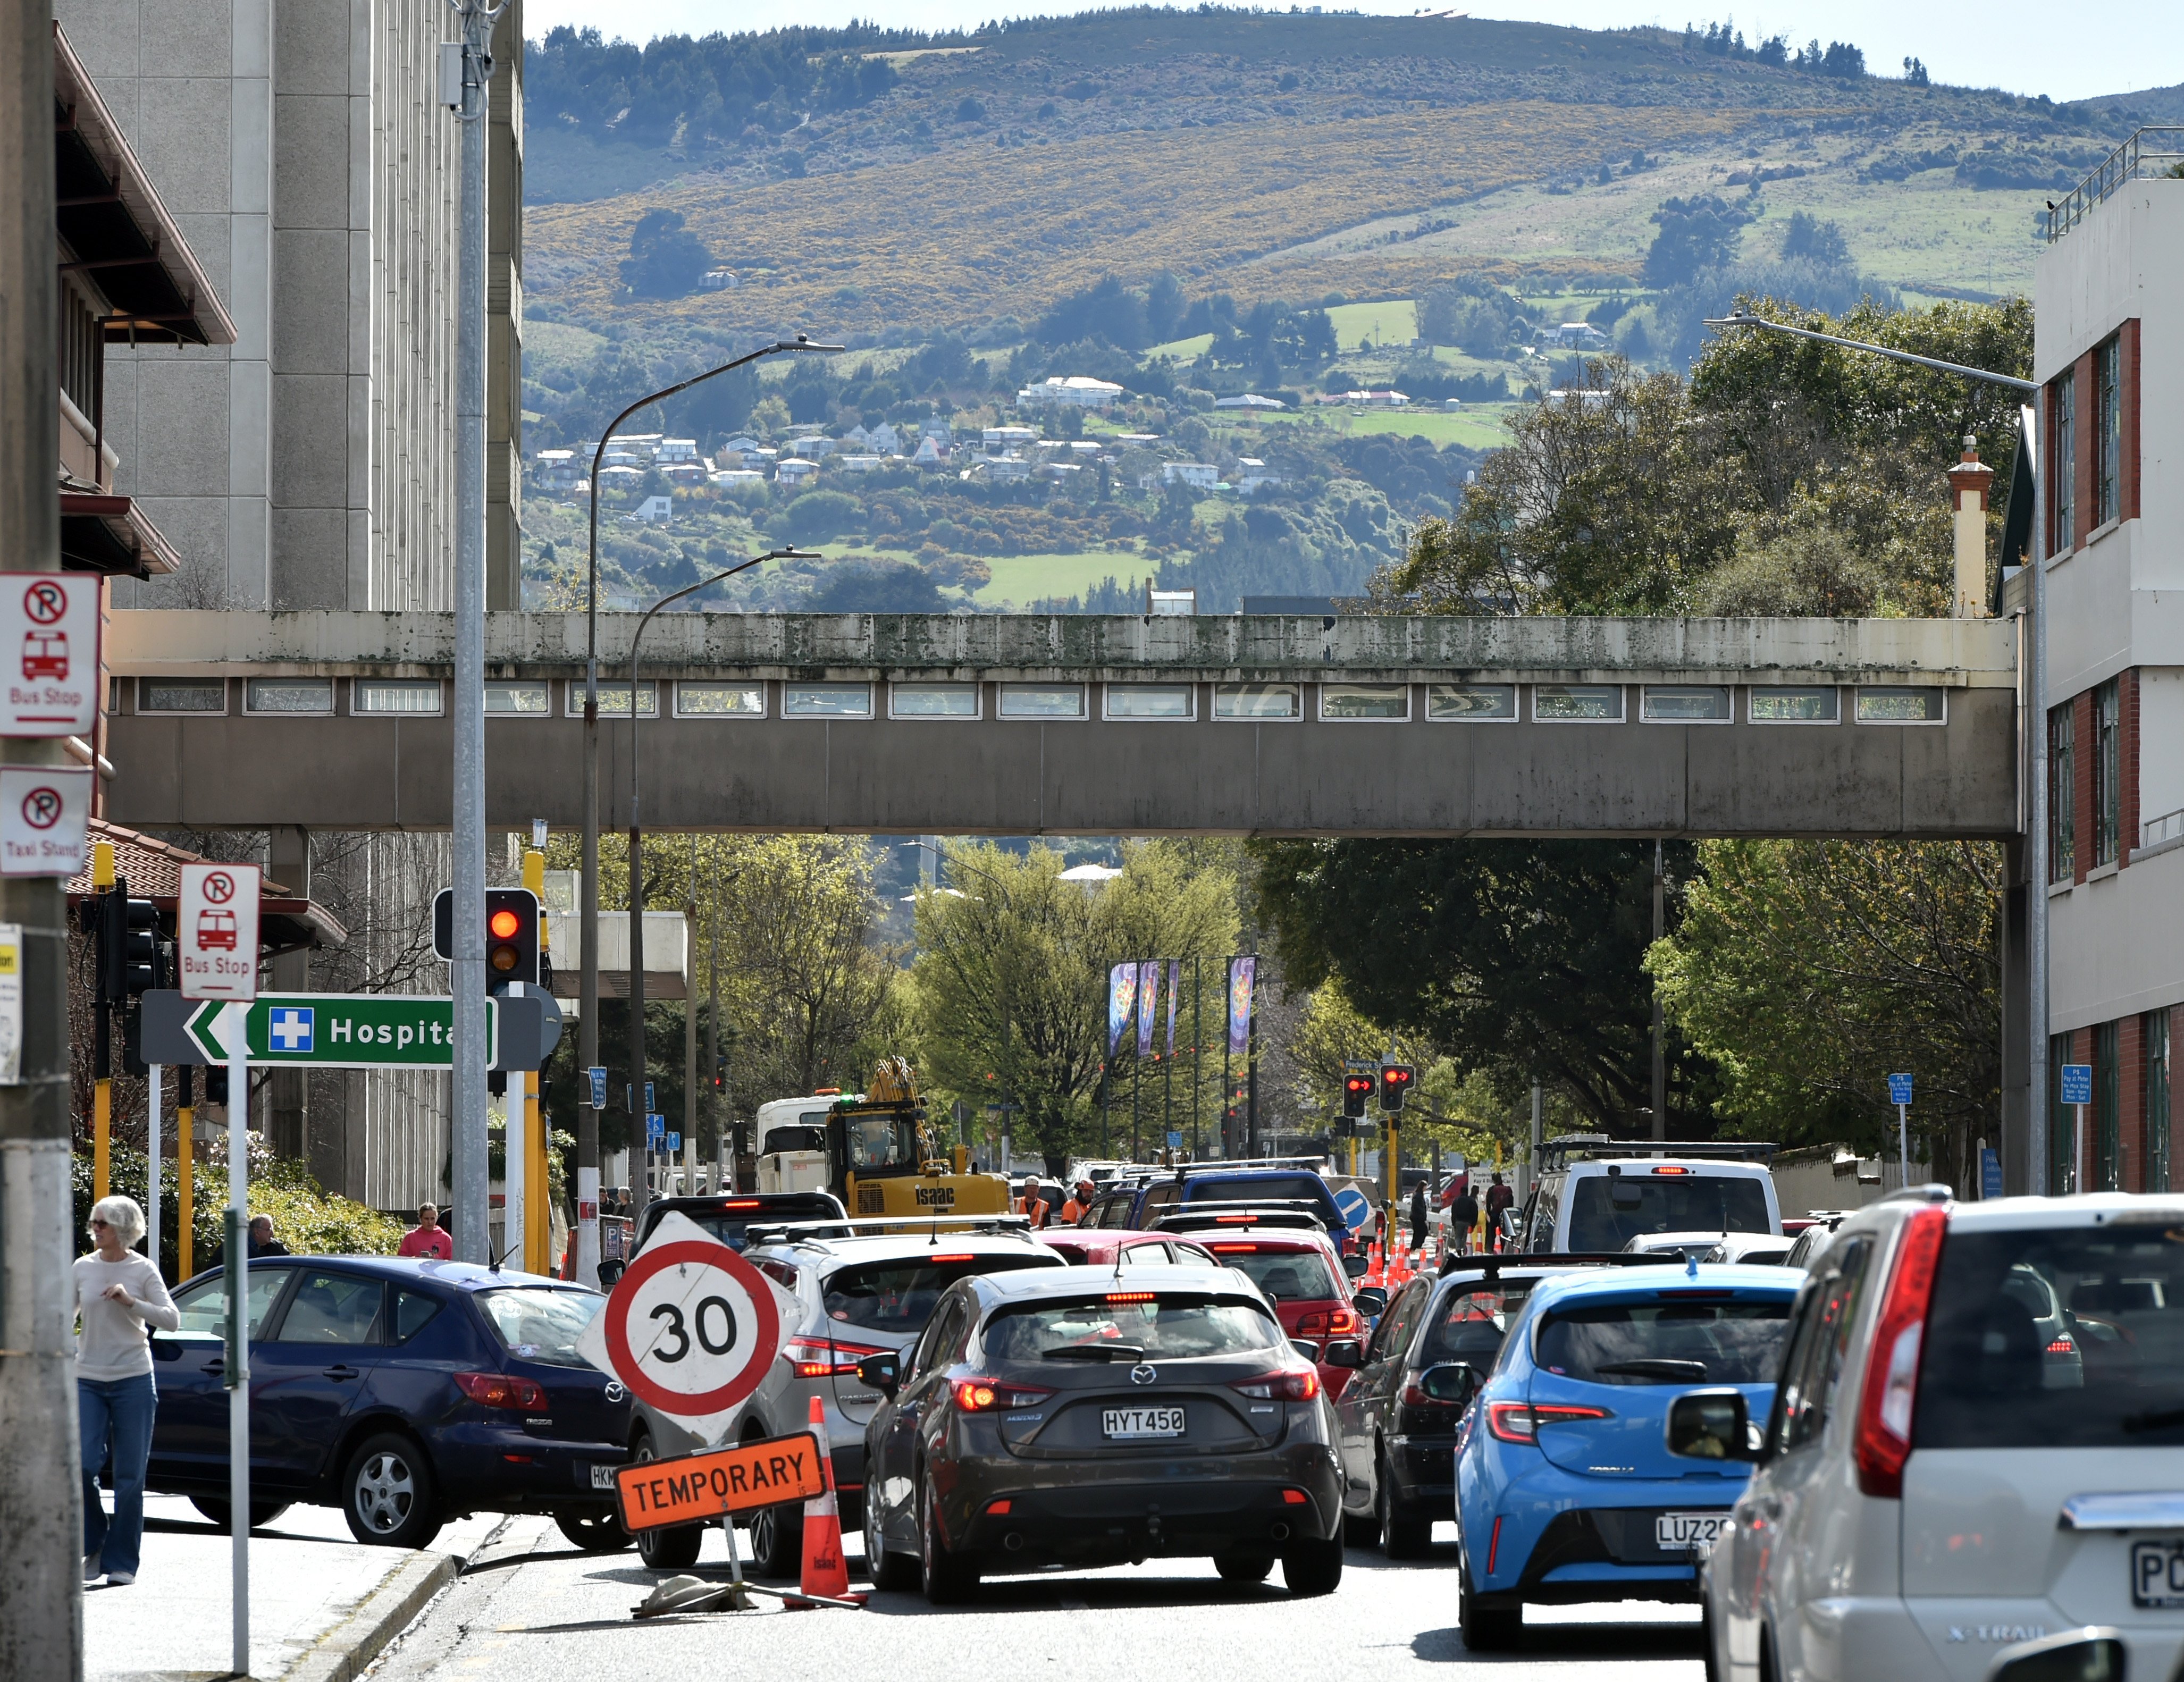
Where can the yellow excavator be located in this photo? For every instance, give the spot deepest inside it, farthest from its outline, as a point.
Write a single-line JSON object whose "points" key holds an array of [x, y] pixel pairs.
{"points": [[880, 1158]]}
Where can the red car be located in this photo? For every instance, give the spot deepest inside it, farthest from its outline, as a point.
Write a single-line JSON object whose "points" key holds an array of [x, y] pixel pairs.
{"points": [[1099, 1246], [1302, 1276]]}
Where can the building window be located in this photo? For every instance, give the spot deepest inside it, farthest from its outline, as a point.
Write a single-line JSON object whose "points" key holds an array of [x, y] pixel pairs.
{"points": [[2155, 1032], [1152, 701], [1256, 700], [2062, 792], [2103, 1169], [1382, 701], [181, 694], [1471, 703], [1042, 700], [2063, 461], [720, 700], [2107, 432], [417, 696], [933, 700], [288, 694], [2108, 771], [614, 699], [529, 701], [2062, 1122], [826, 700], [1565, 703], [1684, 704], [1897, 705], [1794, 704]]}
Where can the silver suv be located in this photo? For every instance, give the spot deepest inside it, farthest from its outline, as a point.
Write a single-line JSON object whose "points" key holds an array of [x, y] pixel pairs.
{"points": [[1977, 1442], [855, 1297]]}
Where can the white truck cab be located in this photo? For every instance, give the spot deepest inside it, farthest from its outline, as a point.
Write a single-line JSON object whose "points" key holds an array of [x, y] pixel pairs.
{"points": [[1595, 1196], [791, 1135]]}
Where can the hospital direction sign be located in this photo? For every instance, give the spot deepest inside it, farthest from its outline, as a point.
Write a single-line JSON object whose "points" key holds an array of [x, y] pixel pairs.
{"points": [[344, 1031]]}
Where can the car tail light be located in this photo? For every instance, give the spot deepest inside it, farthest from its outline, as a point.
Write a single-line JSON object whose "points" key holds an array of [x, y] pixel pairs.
{"points": [[2062, 1346], [988, 1395], [1235, 1250], [741, 1203], [1883, 1442], [1520, 1422], [1671, 1169], [825, 1358], [1295, 1498], [502, 1389], [1132, 1296], [1431, 1406], [965, 1257], [1301, 1384]]}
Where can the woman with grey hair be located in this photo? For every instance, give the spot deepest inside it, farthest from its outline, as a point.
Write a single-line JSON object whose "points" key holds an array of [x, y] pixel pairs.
{"points": [[118, 1295]]}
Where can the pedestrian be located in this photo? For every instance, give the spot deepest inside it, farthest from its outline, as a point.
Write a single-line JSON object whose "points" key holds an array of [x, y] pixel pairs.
{"points": [[1033, 1203], [1079, 1206], [1499, 1197], [118, 1293], [261, 1241], [426, 1237], [1463, 1216], [1418, 1216]]}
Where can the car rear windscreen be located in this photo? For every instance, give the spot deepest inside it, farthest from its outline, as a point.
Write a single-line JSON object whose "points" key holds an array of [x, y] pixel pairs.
{"points": [[537, 1325], [1262, 1188], [1286, 1275], [1173, 1327], [733, 1226], [1470, 1324], [2056, 1338], [901, 1295], [1699, 1203], [1666, 1340]]}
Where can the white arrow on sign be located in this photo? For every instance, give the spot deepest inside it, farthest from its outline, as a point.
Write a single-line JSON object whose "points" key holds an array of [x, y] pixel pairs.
{"points": [[691, 1328]]}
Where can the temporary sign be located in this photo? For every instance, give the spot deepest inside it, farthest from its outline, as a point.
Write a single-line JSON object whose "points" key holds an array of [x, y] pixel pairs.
{"points": [[691, 1328], [2077, 1083], [49, 653], [216, 932], [1899, 1089], [44, 812], [691, 1487]]}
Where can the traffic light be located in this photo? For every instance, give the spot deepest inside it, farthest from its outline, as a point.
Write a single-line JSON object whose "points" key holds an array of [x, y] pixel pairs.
{"points": [[1357, 1089], [140, 963], [512, 934], [1395, 1080]]}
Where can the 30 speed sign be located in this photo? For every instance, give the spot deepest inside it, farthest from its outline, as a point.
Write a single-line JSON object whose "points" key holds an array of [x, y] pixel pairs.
{"points": [[691, 1328]]}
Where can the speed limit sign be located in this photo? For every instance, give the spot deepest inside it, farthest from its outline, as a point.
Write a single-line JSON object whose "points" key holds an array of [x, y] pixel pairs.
{"points": [[691, 1328]]}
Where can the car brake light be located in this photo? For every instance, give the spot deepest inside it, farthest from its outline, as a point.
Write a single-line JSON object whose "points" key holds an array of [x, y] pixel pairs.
{"points": [[1520, 1422], [1234, 1220], [2062, 1346], [1671, 1169], [1132, 1296], [986, 1396], [1235, 1250], [825, 1358], [965, 1257], [1301, 1385], [1883, 1442], [1295, 1498], [502, 1389], [741, 1203]]}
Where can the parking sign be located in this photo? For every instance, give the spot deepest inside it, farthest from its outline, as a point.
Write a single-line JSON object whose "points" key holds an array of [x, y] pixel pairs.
{"points": [[1899, 1089], [216, 932], [2077, 1083]]}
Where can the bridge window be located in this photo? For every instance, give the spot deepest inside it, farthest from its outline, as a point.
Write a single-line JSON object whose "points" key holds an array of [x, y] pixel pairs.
{"points": [[181, 694], [1568, 703], [1471, 703], [614, 698], [1377, 701], [720, 700], [1684, 704], [529, 701], [418, 696], [1152, 701], [1793, 703], [826, 700], [288, 694], [1257, 700], [1042, 700], [933, 700], [1889, 705]]}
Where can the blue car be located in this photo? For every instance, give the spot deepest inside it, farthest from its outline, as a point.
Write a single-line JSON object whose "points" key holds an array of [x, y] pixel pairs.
{"points": [[1601, 1458], [405, 1392]]}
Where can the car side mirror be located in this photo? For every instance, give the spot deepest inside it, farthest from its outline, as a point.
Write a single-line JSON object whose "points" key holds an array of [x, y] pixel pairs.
{"points": [[1344, 1352], [1711, 1425], [1355, 1265], [1512, 1226], [882, 1373], [1451, 1381], [1371, 1302], [2073, 1656]]}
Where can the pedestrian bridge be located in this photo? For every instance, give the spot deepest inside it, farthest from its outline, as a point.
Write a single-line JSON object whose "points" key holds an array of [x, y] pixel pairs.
{"points": [[1036, 724]]}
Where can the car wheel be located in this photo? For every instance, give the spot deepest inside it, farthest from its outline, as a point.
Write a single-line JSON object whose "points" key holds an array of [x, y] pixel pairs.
{"points": [[1312, 1568], [1706, 1639], [595, 1532], [669, 1547], [894, 1573], [1401, 1537], [776, 1541], [262, 1513], [387, 1494], [1484, 1629], [1243, 1568], [949, 1577]]}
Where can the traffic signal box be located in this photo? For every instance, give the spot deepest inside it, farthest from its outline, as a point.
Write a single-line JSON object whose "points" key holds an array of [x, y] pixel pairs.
{"points": [[1356, 1091], [1395, 1080], [512, 926]]}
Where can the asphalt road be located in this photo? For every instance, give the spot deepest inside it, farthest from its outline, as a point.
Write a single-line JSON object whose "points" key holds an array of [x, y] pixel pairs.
{"points": [[530, 1606]]}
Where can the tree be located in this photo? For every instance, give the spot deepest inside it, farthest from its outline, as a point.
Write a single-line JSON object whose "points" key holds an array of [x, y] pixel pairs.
{"points": [[1810, 970], [665, 259], [1700, 232], [1815, 241]]}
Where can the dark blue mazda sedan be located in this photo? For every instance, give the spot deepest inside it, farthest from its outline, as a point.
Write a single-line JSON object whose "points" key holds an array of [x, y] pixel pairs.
{"points": [[406, 1392]]}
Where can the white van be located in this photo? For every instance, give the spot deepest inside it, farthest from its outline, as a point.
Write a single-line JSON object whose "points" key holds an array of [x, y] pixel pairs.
{"points": [[1595, 1196]]}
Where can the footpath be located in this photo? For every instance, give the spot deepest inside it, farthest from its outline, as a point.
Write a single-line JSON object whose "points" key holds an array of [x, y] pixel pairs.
{"points": [[322, 1605]]}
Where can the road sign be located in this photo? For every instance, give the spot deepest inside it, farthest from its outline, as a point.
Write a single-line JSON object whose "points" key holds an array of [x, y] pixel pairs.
{"points": [[655, 1129], [691, 1328], [1990, 1174], [674, 1143], [2077, 1083], [1357, 1208], [598, 1079], [49, 653], [1174, 1140], [346, 1030], [1899, 1089], [216, 932], [688, 1489], [43, 809]]}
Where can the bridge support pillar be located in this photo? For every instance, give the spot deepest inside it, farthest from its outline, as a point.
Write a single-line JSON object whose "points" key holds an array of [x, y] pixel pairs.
{"points": [[2018, 1039]]}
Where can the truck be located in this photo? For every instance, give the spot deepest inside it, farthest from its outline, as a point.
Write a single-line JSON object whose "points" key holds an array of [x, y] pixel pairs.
{"points": [[874, 1151]]}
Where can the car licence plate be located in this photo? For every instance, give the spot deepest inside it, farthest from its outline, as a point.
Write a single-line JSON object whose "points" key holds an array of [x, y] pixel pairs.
{"points": [[1123, 1424], [2157, 1573], [1680, 1532], [602, 1477]]}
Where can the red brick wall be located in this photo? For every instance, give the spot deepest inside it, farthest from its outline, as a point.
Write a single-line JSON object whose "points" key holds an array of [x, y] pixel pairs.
{"points": [[2083, 748], [2130, 1102], [2127, 474], [2127, 767]]}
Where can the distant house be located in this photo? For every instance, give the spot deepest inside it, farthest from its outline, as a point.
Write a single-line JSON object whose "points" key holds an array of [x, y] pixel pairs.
{"points": [[1199, 474], [717, 280], [1003, 438], [737, 475], [999, 470], [685, 472], [813, 445], [1251, 473], [642, 445], [931, 452], [742, 444], [857, 464], [1573, 336], [655, 510], [620, 478], [936, 427], [555, 469], [1249, 400], [675, 449], [794, 471], [1368, 399], [885, 439], [1074, 391]]}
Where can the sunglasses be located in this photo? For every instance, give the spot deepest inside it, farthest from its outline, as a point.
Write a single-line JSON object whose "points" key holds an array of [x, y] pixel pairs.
{"points": [[96, 1222]]}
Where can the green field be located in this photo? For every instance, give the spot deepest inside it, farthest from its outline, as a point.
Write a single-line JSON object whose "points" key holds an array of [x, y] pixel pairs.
{"points": [[1393, 322], [1477, 426], [1022, 579]]}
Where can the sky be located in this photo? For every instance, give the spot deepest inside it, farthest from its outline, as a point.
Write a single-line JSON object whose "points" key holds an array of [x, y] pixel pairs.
{"points": [[2067, 49]]}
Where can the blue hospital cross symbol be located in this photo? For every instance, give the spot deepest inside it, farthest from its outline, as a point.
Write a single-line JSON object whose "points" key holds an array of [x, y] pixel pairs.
{"points": [[292, 1029]]}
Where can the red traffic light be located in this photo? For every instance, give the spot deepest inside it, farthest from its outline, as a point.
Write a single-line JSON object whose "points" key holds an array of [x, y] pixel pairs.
{"points": [[1395, 1080], [1356, 1092], [503, 923]]}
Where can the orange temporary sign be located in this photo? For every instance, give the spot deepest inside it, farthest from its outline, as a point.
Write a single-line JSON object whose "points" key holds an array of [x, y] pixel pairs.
{"points": [[691, 1487]]}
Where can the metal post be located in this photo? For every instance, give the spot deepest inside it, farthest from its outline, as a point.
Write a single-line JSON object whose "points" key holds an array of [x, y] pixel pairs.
{"points": [[41, 1496], [641, 1111], [1660, 1060], [152, 1163], [515, 1162], [690, 1030], [1903, 1143], [237, 1373], [724, 1174], [2037, 1151], [185, 1175], [1539, 1137], [1197, 1047]]}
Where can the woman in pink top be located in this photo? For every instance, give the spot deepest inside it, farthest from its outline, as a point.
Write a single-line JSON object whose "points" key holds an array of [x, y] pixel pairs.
{"points": [[426, 1238]]}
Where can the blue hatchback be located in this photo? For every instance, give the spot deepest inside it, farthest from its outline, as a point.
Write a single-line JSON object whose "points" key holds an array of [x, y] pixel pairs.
{"points": [[1567, 1488]]}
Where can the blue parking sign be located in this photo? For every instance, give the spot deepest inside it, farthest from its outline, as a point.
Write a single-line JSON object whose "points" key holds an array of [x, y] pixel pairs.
{"points": [[674, 1143], [598, 1078], [1899, 1089], [2077, 1083], [656, 1130]]}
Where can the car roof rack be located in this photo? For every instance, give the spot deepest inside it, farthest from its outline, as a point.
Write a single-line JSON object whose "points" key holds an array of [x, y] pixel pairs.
{"points": [[1599, 1147], [1495, 1261], [1232, 1164], [884, 1226]]}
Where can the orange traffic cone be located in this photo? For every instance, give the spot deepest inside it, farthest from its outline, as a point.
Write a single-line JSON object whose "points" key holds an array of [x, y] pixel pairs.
{"points": [[1372, 1265], [825, 1573]]}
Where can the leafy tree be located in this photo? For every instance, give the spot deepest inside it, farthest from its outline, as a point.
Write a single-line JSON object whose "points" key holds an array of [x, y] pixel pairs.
{"points": [[875, 587], [1107, 311], [1814, 241], [1474, 314], [815, 516], [665, 259], [1699, 232]]}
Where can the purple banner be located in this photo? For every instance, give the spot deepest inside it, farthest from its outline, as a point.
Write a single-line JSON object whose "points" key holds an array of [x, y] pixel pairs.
{"points": [[1121, 1000], [1242, 972], [1175, 986], [1148, 1003]]}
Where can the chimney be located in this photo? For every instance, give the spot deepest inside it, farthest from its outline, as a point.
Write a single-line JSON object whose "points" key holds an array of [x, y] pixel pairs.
{"points": [[1969, 481]]}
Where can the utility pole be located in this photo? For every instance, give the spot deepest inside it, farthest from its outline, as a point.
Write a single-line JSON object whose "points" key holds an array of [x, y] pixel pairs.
{"points": [[690, 1029], [1660, 1060], [40, 1497], [724, 1152]]}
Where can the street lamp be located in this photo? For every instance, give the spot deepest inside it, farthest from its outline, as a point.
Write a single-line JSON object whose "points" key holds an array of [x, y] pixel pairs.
{"points": [[636, 834], [588, 1032]]}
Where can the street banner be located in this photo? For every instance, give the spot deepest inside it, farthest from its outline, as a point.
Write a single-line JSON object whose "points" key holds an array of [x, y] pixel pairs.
{"points": [[1122, 999], [1148, 1004], [1174, 982], [1242, 972]]}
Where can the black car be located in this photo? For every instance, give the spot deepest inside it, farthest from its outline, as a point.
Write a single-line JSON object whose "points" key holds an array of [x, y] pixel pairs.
{"points": [[730, 1215]]}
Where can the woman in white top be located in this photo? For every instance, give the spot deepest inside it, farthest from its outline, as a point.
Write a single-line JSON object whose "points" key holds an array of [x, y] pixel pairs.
{"points": [[118, 1295]]}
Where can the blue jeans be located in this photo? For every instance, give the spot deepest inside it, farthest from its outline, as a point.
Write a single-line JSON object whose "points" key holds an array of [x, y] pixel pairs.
{"points": [[116, 1415]]}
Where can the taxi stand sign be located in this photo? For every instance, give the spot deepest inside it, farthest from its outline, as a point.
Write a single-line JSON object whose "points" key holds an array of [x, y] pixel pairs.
{"points": [[44, 810]]}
